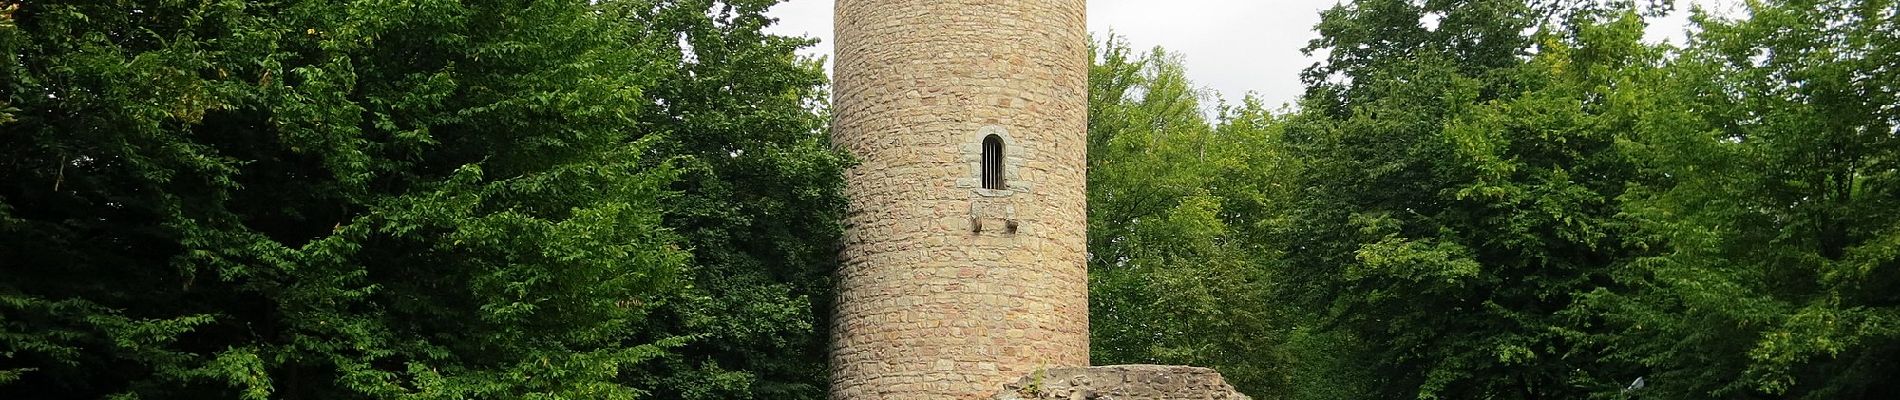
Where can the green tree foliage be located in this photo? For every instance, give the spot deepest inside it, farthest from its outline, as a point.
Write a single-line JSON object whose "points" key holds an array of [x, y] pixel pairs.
{"points": [[761, 205], [414, 199], [1173, 199], [1769, 193], [9, 43], [1457, 190], [1491, 211], [1372, 46]]}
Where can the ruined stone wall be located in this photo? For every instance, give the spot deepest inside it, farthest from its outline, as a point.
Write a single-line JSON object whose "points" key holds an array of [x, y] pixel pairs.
{"points": [[949, 290], [1124, 382]]}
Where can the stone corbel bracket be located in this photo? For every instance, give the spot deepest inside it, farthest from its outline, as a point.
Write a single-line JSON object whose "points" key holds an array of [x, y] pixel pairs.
{"points": [[994, 216]]}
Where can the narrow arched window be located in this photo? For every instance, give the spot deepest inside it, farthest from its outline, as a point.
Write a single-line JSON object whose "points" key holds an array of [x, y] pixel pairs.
{"points": [[993, 163]]}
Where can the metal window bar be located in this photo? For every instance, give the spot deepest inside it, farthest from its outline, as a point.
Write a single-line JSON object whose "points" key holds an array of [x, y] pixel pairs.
{"points": [[993, 163]]}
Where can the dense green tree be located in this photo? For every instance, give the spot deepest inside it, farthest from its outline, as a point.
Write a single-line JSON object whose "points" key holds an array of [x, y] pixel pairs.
{"points": [[760, 208], [1769, 197], [1370, 45], [415, 199], [1516, 199], [1175, 278], [9, 44], [1458, 187]]}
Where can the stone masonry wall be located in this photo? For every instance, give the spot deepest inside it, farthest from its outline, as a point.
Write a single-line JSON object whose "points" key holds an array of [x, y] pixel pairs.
{"points": [[948, 290], [1125, 382]]}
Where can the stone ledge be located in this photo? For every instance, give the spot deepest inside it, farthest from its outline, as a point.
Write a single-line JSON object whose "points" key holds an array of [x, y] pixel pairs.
{"points": [[1122, 382]]}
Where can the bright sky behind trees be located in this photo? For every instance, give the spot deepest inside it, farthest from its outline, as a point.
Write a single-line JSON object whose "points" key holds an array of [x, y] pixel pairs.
{"points": [[1231, 46]]}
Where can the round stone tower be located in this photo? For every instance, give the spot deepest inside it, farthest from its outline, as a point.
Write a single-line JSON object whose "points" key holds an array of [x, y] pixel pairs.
{"points": [[964, 259]]}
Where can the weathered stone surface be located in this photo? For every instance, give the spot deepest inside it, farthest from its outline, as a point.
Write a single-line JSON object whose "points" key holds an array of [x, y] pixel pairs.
{"points": [[1123, 382], [949, 290]]}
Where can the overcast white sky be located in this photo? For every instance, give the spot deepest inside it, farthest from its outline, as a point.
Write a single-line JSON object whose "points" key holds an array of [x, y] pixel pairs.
{"points": [[1232, 47]]}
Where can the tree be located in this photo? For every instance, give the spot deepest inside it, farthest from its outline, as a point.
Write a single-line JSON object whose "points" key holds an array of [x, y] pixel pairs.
{"points": [[9, 36], [1370, 43], [1174, 276], [1457, 190], [419, 199], [1769, 156], [761, 205]]}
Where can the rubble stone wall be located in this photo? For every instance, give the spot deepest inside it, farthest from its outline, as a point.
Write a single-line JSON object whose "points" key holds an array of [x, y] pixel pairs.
{"points": [[1125, 382]]}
